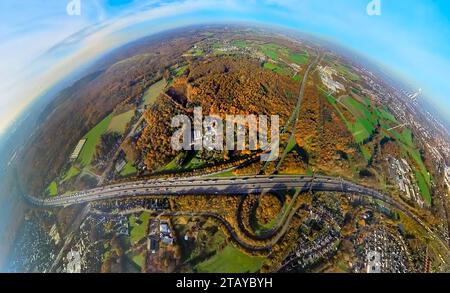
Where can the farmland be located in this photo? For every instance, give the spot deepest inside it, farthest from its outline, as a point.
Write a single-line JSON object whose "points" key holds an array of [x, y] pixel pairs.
{"points": [[271, 51], [276, 68], [347, 72], [362, 122], [299, 58], [276, 53]]}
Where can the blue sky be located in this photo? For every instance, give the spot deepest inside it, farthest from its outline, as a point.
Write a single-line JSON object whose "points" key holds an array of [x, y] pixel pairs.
{"points": [[40, 43]]}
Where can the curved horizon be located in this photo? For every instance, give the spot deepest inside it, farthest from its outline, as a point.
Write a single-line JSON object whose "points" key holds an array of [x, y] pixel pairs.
{"points": [[265, 114], [408, 40]]}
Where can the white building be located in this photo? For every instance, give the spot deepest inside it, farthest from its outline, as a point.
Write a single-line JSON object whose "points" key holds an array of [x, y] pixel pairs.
{"points": [[76, 152], [326, 74]]}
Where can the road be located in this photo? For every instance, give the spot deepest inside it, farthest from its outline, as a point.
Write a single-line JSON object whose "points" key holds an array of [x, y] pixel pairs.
{"points": [[293, 120], [241, 185], [207, 186], [69, 235]]}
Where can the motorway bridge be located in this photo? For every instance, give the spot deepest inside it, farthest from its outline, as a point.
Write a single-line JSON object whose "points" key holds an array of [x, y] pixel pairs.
{"points": [[208, 186], [240, 185]]}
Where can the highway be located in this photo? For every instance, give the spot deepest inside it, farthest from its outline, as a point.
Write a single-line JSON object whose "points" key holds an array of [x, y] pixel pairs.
{"points": [[222, 186], [207, 186]]}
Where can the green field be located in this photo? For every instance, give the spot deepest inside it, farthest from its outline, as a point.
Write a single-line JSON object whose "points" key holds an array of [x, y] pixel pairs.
{"points": [[406, 142], [276, 68], [92, 139], [297, 77], [52, 189], [274, 52], [367, 117], [153, 92], [194, 162], [196, 52], [347, 72], [407, 137], [271, 51], [231, 260], [72, 172], [172, 166], [291, 145], [415, 155], [358, 109], [129, 169], [366, 153], [423, 186], [119, 122], [386, 115], [138, 231], [139, 259], [299, 59], [423, 178], [240, 43], [228, 173], [180, 70], [190, 163], [365, 121]]}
